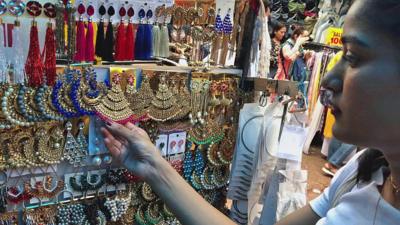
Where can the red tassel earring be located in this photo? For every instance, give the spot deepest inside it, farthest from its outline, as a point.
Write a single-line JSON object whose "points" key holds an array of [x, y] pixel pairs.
{"points": [[120, 48], [130, 38], [49, 50], [80, 54], [34, 65], [90, 51]]}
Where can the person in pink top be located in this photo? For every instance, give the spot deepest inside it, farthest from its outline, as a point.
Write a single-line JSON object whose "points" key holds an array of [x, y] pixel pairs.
{"points": [[290, 51]]}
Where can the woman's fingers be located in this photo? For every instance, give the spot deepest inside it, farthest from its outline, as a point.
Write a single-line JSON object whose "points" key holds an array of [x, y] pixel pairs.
{"points": [[115, 152], [135, 129], [119, 131], [117, 143], [130, 126]]}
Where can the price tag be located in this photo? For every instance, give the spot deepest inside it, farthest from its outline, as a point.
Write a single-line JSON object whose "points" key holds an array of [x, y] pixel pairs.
{"points": [[334, 37], [292, 142], [162, 144], [177, 142]]}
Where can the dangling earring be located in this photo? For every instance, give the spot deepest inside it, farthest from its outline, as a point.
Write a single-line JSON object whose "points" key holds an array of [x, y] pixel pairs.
{"points": [[227, 31], [214, 102], [130, 87], [71, 147], [80, 54], [100, 39], [225, 101], [188, 164], [219, 28], [90, 48], [120, 45], [130, 36], [82, 142]]}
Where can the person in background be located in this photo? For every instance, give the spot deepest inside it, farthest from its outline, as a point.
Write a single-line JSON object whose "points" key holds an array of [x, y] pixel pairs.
{"points": [[364, 92], [278, 33], [291, 50]]}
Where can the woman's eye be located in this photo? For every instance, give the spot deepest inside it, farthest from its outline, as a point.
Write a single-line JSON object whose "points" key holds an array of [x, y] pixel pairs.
{"points": [[351, 59]]}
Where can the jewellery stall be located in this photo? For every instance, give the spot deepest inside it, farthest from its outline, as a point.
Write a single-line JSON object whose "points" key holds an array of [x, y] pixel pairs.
{"points": [[68, 67]]}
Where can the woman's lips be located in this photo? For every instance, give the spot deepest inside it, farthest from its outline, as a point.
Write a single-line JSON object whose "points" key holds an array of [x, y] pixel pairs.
{"points": [[326, 98]]}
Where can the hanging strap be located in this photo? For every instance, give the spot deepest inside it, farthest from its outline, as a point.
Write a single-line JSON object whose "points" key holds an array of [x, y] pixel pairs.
{"points": [[283, 59], [346, 187]]}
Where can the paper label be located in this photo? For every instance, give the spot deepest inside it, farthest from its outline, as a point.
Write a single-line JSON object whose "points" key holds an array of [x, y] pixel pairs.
{"points": [[292, 142], [334, 37]]}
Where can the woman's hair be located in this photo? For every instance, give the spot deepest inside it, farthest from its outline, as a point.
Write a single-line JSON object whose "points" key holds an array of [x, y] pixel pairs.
{"points": [[369, 162], [383, 16], [277, 27], [298, 31]]}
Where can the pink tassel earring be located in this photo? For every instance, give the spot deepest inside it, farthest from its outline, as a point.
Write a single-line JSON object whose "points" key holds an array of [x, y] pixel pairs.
{"points": [[90, 50], [80, 36]]}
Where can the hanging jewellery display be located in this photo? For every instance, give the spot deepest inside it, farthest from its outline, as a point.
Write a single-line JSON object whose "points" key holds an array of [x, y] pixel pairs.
{"points": [[24, 143], [61, 94], [42, 215], [183, 96], [44, 104], [164, 105], [118, 206], [217, 44], [26, 104], [87, 92], [71, 31], [73, 152], [114, 106], [50, 144], [140, 101], [227, 33], [14, 159], [205, 130], [9, 100], [136, 103], [60, 30], [17, 9]]}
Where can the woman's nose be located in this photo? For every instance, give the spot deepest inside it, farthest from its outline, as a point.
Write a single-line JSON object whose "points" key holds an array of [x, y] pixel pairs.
{"points": [[333, 80]]}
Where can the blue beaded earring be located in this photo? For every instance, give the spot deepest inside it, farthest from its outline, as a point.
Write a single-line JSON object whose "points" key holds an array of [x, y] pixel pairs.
{"points": [[199, 162], [219, 25], [60, 94], [42, 101], [188, 161]]}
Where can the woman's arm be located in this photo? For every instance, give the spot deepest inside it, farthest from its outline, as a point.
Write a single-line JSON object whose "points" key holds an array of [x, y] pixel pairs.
{"points": [[303, 216], [189, 207], [132, 148], [290, 53], [293, 53]]}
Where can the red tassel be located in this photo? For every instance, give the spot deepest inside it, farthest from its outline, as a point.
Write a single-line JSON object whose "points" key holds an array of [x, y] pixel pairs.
{"points": [[90, 43], [49, 55], [34, 65], [120, 43], [130, 43], [80, 42]]}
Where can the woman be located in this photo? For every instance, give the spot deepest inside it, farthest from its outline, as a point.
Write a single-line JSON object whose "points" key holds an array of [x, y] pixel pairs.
{"points": [[278, 33], [291, 50], [363, 91]]}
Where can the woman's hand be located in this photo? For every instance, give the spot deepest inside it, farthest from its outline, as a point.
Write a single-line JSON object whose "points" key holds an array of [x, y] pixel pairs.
{"points": [[132, 148]]}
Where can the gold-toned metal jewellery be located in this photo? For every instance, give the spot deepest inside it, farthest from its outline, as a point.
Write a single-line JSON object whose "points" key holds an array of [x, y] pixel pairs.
{"points": [[147, 193], [164, 105], [50, 144], [28, 145], [114, 106]]}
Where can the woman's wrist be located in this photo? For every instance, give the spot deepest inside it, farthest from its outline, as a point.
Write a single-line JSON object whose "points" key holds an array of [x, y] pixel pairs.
{"points": [[160, 170]]}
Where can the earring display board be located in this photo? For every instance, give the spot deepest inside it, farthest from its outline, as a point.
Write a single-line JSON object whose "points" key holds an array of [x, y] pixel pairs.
{"points": [[189, 116]]}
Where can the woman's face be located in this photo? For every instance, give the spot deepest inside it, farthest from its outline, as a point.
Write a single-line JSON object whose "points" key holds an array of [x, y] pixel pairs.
{"points": [[366, 85], [280, 33]]}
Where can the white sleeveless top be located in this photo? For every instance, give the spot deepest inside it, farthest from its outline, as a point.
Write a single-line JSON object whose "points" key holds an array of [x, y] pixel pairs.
{"points": [[363, 205]]}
